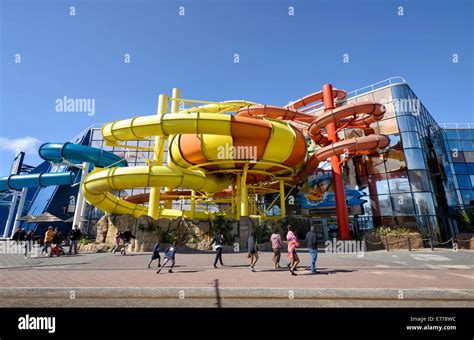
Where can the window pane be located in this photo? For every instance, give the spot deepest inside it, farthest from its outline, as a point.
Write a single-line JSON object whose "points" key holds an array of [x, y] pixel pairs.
{"points": [[470, 168], [464, 134], [377, 184], [381, 205], [454, 145], [388, 126], [460, 168], [415, 159], [395, 142], [410, 140], [469, 156], [406, 123], [402, 204], [375, 165], [398, 182], [419, 180], [97, 134], [451, 134], [472, 180], [389, 110], [467, 145], [399, 91], [395, 160], [457, 156], [468, 197], [464, 182], [424, 203], [384, 95]]}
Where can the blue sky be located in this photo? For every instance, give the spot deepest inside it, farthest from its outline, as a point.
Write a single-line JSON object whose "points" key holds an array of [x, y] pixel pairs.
{"points": [[282, 57]]}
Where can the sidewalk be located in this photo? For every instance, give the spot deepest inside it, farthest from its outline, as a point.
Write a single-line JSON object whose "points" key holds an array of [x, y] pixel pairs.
{"points": [[441, 278]]}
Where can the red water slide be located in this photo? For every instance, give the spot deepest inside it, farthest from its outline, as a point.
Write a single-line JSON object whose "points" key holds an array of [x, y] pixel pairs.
{"points": [[323, 131]]}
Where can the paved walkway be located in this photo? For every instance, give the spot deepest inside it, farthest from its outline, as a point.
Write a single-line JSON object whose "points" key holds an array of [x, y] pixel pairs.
{"points": [[421, 270]]}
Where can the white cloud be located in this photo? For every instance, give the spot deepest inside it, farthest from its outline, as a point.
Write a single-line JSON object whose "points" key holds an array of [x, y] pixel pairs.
{"points": [[27, 144]]}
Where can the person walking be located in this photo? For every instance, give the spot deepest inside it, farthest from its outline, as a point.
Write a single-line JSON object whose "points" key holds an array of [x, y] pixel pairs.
{"points": [[126, 237], [155, 254], [276, 246], [117, 238], [16, 235], [253, 250], [29, 242], [48, 238], [292, 254], [219, 241], [57, 240], [74, 236], [312, 244], [169, 256]]}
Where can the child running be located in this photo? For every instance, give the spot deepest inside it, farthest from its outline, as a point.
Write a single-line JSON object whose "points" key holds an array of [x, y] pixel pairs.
{"points": [[117, 238], [169, 256]]}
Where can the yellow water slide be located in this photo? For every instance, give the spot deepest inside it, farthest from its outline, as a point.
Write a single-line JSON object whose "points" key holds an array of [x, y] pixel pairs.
{"points": [[196, 137]]}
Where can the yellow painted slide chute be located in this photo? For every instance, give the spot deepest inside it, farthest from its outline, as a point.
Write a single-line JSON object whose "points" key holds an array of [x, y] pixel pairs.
{"points": [[202, 120]]}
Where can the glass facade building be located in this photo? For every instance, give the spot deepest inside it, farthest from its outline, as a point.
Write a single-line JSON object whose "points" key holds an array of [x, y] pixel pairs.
{"points": [[414, 181]]}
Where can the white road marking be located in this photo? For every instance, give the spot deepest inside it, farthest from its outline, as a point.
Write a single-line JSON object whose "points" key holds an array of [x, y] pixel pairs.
{"points": [[430, 257]]}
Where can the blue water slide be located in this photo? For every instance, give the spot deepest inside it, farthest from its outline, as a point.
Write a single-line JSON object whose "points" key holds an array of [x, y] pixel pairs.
{"points": [[62, 153]]}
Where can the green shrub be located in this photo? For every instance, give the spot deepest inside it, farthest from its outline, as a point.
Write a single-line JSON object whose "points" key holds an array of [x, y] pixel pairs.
{"points": [[83, 241], [220, 223]]}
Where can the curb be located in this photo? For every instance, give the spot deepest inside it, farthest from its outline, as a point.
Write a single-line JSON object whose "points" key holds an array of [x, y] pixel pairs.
{"points": [[242, 293]]}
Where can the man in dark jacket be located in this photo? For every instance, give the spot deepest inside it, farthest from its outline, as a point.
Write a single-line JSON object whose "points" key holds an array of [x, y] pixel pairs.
{"points": [[126, 237], [74, 237], [219, 241], [22, 235], [312, 244]]}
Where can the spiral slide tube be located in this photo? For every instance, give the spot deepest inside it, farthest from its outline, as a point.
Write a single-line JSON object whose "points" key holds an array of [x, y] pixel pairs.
{"points": [[61, 153], [323, 131], [197, 137]]}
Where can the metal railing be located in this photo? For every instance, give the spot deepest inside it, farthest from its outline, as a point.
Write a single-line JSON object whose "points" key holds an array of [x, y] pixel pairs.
{"points": [[456, 125], [367, 89]]}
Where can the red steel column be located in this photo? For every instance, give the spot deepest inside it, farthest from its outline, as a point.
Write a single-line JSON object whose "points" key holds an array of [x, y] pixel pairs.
{"points": [[339, 190]]}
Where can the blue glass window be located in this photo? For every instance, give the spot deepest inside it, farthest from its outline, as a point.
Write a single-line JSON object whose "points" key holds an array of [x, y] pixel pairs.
{"points": [[399, 92], [467, 196], [464, 182], [460, 168], [410, 140], [452, 134], [470, 168], [406, 123], [467, 145], [424, 203], [402, 204], [415, 159], [464, 134]]}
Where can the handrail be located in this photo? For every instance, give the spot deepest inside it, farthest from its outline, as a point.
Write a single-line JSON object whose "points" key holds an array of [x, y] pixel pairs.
{"points": [[369, 88], [456, 125]]}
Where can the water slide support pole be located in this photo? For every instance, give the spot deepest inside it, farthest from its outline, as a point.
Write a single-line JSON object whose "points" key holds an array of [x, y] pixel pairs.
{"points": [[244, 197], [237, 196], [174, 109], [81, 201], [155, 193], [20, 209], [339, 191], [282, 199], [10, 214]]}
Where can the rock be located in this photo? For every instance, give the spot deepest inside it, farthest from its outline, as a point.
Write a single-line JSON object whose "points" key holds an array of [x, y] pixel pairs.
{"points": [[465, 240], [375, 242]]}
